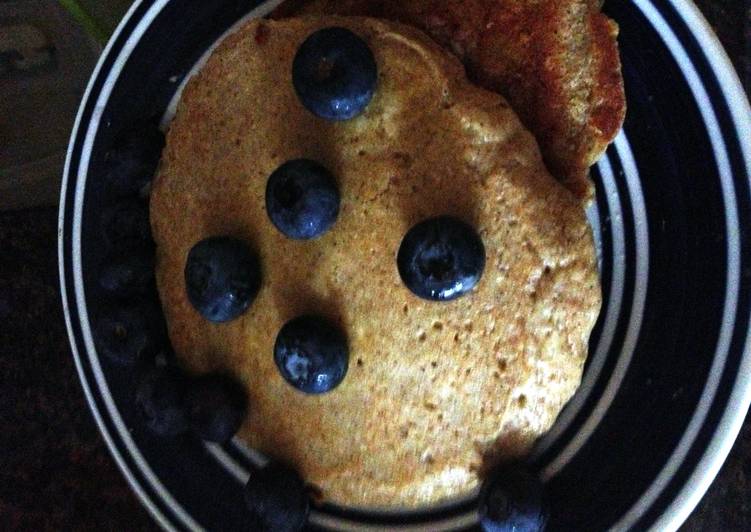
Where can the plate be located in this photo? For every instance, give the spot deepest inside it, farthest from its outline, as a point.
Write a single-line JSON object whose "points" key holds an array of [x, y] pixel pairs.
{"points": [[668, 379]]}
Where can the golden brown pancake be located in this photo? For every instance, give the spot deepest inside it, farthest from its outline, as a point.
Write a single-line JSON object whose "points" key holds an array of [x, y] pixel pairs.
{"points": [[435, 390], [555, 61]]}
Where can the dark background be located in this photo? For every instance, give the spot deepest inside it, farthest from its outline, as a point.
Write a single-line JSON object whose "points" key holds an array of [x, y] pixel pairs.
{"points": [[55, 471]]}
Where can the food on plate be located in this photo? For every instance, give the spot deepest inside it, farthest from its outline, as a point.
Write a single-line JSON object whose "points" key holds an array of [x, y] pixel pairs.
{"points": [[425, 288], [556, 62], [512, 499], [277, 498]]}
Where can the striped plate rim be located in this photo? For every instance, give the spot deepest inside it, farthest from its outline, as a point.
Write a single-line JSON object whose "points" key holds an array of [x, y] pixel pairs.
{"points": [[665, 16]]}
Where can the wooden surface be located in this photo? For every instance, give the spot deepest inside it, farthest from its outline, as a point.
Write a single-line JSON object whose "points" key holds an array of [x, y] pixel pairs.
{"points": [[55, 470]]}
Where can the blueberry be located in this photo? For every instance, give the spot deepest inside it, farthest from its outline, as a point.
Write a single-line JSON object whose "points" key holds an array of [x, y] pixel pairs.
{"points": [[311, 354], [124, 334], [160, 400], [222, 278], [277, 499], [441, 258], [132, 160], [129, 273], [512, 500], [302, 199], [125, 225], [216, 406], [334, 74]]}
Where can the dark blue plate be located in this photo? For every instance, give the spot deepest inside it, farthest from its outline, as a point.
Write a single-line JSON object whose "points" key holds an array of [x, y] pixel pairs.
{"points": [[668, 380]]}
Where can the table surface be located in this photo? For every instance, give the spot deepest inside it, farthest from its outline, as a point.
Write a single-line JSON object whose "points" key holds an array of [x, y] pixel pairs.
{"points": [[55, 470]]}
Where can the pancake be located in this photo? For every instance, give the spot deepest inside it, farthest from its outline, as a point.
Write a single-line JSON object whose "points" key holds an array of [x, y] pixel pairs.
{"points": [[435, 391], [556, 62]]}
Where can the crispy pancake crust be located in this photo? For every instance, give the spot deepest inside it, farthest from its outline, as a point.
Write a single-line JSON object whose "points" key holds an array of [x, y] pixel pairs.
{"points": [[435, 391], [555, 61]]}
